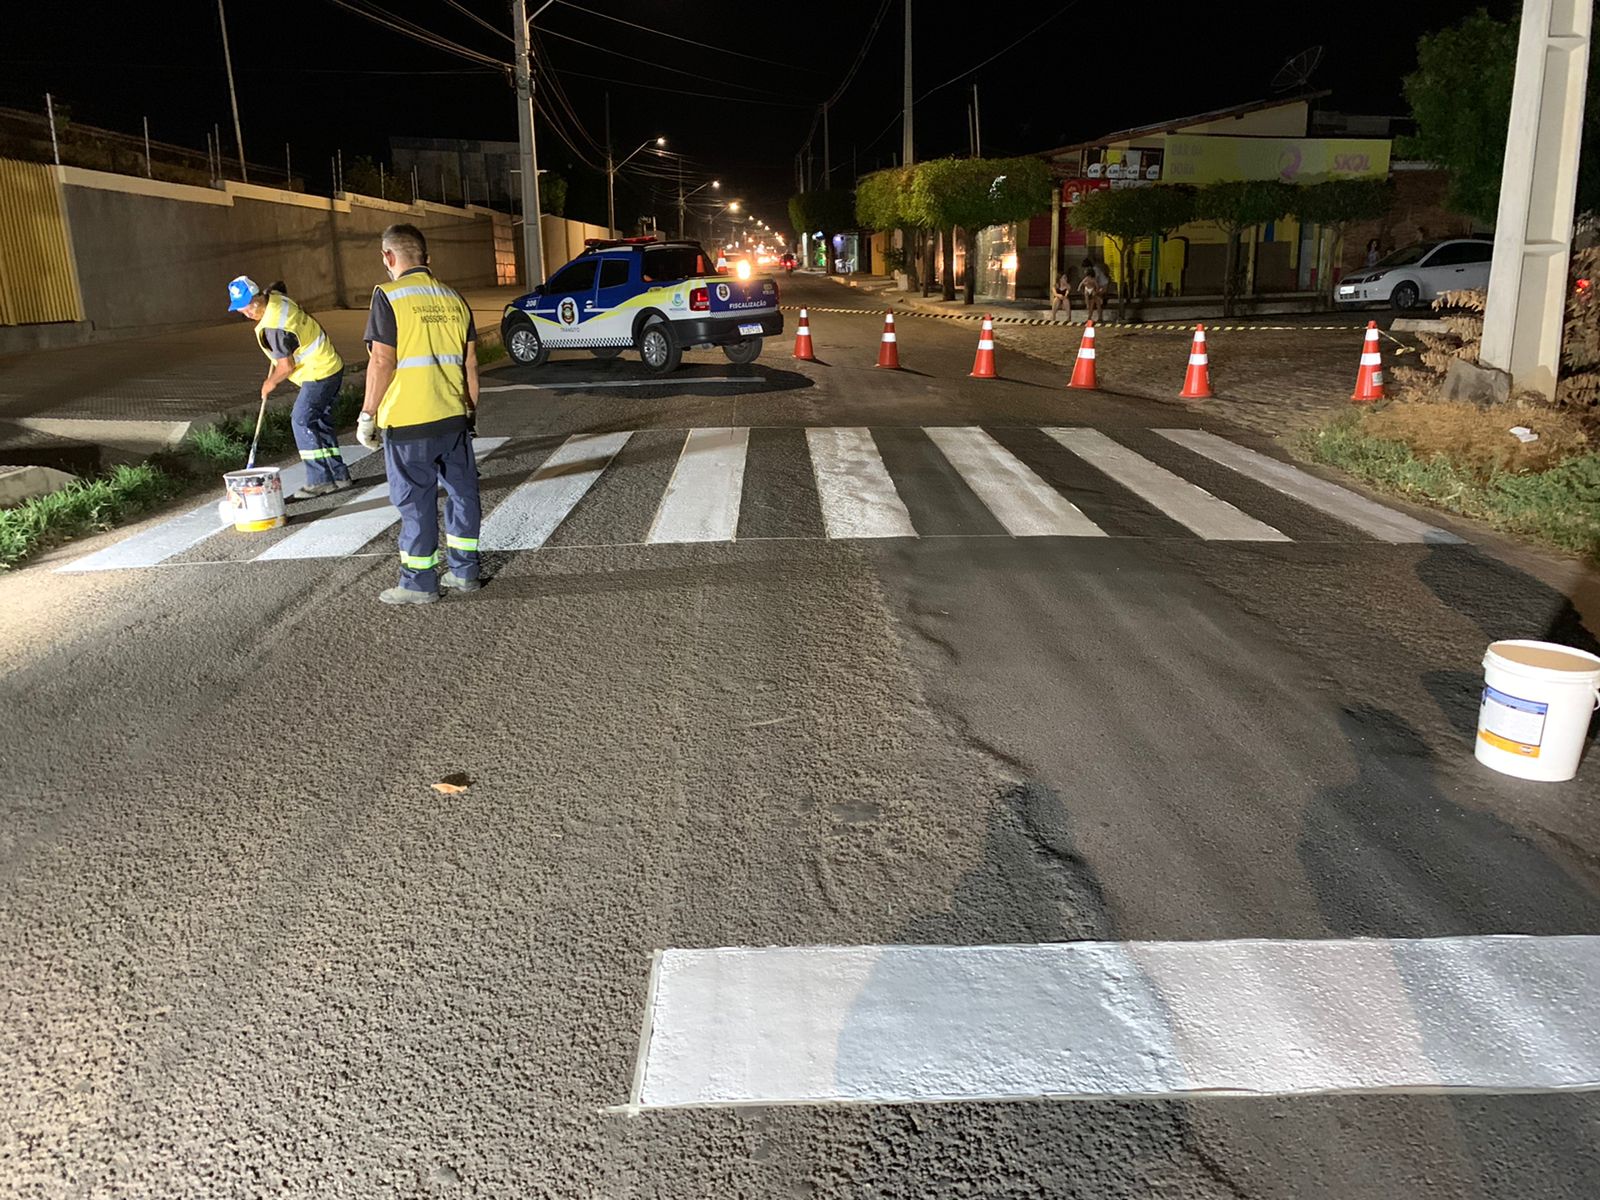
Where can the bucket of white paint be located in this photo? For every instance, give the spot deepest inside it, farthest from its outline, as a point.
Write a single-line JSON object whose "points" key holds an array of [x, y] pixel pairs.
{"points": [[255, 499], [1537, 701]]}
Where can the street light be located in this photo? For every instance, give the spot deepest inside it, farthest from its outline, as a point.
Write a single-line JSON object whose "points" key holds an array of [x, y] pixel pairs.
{"points": [[683, 196], [611, 179]]}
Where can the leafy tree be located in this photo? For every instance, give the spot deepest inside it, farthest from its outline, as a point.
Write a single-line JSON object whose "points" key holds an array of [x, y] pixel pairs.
{"points": [[883, 203], [1128, 215], [972, 194], [552, 194], [365, 179], [1337, 204], [831, 211], [1460, 97], [1233, 207]]}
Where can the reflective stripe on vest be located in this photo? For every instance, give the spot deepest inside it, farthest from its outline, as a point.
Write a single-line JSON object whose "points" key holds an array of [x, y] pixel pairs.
{"points": [[431, 323], [315, 357]]}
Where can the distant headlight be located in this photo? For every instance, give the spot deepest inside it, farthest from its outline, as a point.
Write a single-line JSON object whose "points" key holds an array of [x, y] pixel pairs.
{"points": [[744, 268]]}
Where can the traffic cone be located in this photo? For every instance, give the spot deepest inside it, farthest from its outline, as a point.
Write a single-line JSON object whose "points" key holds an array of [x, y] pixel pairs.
{"points": [[802, 339], [888, 350], [1369, 380], [983, 365], [1197, 379], [1083, 369]]}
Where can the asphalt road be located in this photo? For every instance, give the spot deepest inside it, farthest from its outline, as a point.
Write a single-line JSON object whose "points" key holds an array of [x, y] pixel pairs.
{"points": [[246, 950]]}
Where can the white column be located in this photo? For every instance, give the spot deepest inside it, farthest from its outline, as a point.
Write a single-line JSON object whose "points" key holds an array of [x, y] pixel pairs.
{"points": [[1533, 232]]}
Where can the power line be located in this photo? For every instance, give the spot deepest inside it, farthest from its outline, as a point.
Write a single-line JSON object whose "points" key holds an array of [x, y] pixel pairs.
{"points": [[417, 33], [1062, 11], [567, 37], [861, 57], [773, 62], [472, 16], [656, 87]]}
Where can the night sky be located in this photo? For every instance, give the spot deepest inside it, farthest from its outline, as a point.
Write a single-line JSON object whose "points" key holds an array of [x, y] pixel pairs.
{"points": [[321, 76]]}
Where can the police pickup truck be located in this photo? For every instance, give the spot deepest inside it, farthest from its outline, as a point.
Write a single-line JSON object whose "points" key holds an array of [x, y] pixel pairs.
{"points": [[659, 298]]}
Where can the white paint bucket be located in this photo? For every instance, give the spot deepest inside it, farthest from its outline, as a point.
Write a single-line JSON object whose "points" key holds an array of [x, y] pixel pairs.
{"points": [[1537, 701], [255, 499]]}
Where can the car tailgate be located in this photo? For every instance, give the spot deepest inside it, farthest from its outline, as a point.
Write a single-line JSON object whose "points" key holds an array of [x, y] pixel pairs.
{"points": [[731, 296]]}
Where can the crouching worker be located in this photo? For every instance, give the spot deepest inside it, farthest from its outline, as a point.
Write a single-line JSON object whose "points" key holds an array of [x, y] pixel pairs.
{"points": [[299, 351]]}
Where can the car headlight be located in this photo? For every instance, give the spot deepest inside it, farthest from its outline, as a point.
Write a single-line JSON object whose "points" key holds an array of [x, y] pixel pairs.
{"points": [[744, 269]]}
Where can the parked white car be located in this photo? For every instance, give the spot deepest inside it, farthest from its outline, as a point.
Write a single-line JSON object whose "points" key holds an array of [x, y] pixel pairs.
{"points": [[1417, 274]]}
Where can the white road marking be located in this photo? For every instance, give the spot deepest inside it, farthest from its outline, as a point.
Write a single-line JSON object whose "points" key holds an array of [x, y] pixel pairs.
{"points": [[858, 497], [899, 1024], [1369, 516], [701, 503], [531, 513], [1191, 506], [353, 523], [614, 383], [177, 535], [1025, 504]]}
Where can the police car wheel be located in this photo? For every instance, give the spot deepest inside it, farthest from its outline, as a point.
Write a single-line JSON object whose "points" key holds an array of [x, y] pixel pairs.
{"points": [[525, 346], [605, 353], [744, 351], [658, 349]]}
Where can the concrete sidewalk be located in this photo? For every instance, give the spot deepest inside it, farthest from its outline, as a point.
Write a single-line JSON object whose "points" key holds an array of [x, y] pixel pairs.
{"points": [[124, 395]]}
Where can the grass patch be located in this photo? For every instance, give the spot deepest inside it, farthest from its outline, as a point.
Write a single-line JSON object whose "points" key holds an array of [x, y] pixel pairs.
{"points": [[1559, 505], [83, 507]]}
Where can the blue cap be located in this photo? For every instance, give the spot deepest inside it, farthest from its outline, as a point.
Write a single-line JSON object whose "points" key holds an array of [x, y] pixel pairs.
{"points": [[240, 292]]}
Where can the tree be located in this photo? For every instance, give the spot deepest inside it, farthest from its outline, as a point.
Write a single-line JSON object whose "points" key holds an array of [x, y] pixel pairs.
{"points": [[365, 179], [552, 194], [1460, 97], [827, 211], [1235, 206], [882, 203], [1337, 204], [1129, 215], [972, 194]]}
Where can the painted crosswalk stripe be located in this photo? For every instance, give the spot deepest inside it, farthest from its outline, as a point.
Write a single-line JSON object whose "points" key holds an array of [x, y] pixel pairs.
{"points": [[1190, 506], [1022, 502], [1383, 523], [173, 537], [903, 1024], [526, 518], [858, 497], [701, 503], [354, 523]]}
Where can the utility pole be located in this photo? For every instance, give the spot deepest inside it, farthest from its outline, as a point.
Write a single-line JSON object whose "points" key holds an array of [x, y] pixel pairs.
{"points": [[977, 124], [680, 200], [827, 156], [147, 173], [611, 178], [906, 154], [532, 254], [233, 96]]}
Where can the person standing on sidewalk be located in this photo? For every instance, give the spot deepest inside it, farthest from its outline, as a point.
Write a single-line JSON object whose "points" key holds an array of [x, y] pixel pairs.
{"points": [[422, 393], [299, 351]]}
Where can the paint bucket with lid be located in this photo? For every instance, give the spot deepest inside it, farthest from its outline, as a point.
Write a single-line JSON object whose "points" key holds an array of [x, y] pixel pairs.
{"points": [[1538, 698], [255, 499]]}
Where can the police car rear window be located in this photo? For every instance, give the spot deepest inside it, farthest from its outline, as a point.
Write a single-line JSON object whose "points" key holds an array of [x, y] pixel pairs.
{"points": [[674, 262]]}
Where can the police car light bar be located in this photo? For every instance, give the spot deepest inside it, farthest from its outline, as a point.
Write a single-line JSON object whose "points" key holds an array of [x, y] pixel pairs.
{"points": [[602, 243]]}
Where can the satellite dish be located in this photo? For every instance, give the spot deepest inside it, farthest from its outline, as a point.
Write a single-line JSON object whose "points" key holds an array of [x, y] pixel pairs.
{"points": [[1296, 73]]}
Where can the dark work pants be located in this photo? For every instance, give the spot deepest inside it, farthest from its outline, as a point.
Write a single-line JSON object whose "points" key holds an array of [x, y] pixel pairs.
{"points": [[312, 420], [416, 469]]}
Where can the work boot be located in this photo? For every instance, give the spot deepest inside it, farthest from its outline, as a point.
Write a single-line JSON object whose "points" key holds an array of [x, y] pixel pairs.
{"points": [[405, 595], [312, 490], [451, 580]]}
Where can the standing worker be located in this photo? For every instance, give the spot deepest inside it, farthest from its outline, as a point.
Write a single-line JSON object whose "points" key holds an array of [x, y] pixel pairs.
{"points": [[300, 352], [422, 394]]}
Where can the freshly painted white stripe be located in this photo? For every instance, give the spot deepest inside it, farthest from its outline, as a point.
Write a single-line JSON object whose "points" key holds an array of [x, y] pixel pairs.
{"points": [[610, 383], [902, 1024], [353, 523], [1341, 503], [1199, 510], [702, 501], [858, 497], [1025, 504], [177, 535], [531, 513]]}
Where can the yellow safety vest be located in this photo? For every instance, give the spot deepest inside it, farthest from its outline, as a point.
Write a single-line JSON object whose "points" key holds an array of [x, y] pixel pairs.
{"points": [[315, 358], [430, 377]]}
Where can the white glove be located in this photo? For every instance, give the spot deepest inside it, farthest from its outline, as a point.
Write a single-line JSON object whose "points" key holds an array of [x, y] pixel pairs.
{"points": [[367, 432]]}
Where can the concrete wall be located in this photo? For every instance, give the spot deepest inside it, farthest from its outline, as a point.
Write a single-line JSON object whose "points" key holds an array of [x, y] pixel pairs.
{"points": [[154, 255]]}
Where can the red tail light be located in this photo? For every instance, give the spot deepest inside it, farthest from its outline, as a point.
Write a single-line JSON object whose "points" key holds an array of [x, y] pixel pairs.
{"points": [[699, 300]]}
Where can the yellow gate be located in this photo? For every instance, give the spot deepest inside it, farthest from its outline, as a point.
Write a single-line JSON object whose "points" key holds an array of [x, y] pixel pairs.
{"points": [[38, 281]]}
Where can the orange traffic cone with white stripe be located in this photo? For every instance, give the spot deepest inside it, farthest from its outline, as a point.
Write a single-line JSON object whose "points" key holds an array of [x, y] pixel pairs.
{"points": [[888, 349], [1197, 379], [802, 339], [1083, 369], [983, 365], [1369, 380]]}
